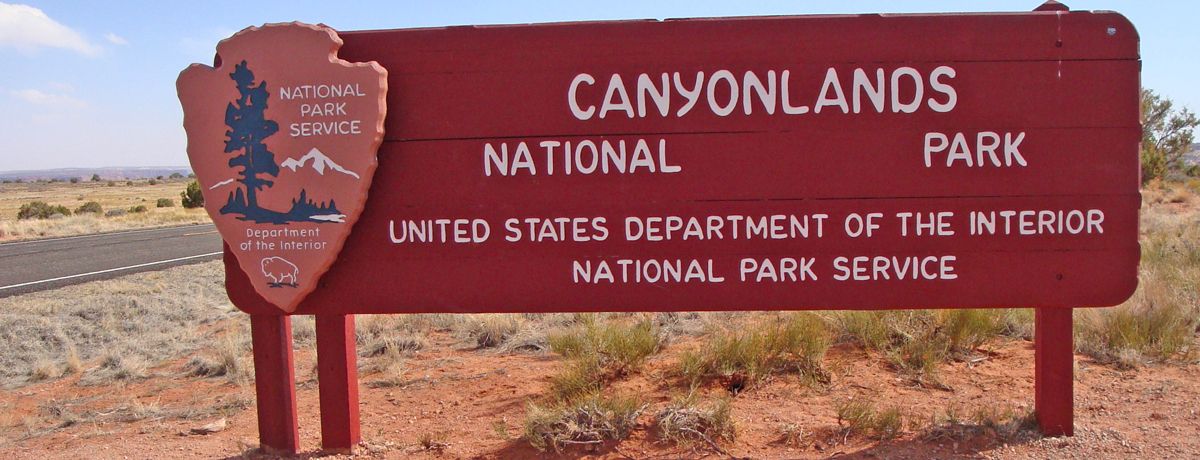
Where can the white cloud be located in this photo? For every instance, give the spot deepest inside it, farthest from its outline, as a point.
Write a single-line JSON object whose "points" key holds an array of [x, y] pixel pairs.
{"points": [[47, 99], [116, 39], [27, 29]]}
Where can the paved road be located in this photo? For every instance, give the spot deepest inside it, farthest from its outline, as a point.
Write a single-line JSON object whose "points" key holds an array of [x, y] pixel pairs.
{"points": [[27, 266]]}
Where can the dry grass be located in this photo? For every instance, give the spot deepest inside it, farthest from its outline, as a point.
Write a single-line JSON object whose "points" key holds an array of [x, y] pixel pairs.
{"points": [[917, 342], [794, 343], [230, 358], [136, 321], [491, 331], [119, 196], [1160, 321], [619, 347], [861, 417], [1006, 425], [688, 419], [385, 342], [599, 352], [586, 421]]}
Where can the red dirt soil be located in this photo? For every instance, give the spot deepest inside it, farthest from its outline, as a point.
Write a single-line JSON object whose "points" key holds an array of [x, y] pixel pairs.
{"points": [[474, 402]]}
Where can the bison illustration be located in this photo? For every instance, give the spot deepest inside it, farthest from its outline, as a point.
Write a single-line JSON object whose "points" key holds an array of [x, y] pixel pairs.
{"points": [[280, 272]]}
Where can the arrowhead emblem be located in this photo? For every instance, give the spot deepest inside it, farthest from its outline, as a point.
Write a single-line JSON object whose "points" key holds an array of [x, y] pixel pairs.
{"points": [[282, 135]]}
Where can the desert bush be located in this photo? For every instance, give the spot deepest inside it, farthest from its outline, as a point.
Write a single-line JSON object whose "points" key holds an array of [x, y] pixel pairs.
{"points": [[230, 359], [916, 342], [490, 331], [164, 203], [1160, 321], [116, 367], [129, 183], [41, 210], [1167, 136], [115, 213], [138, 209], [89, 207], [860, 416], [95, 178], [589, 420], [74, 180], [111, 184], [688, 420], [400, 344], [191, 197], [1005, 425], [176, 176], [795, 343], [434, 442], [385, 342], [153, 181], [1150, 326], [44, 369], [618, 347], [581, 376]]}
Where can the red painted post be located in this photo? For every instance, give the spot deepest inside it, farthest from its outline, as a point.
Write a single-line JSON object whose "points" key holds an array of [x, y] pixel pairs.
{"points": [[1054, 360], [275, 384], [337, 371]]}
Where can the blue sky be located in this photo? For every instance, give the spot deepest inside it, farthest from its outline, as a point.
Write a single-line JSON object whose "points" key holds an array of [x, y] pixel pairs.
{"points": [[87, 84]]}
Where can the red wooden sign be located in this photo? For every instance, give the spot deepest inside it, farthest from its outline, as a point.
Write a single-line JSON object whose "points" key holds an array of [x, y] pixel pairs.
{"points": [[851, 162], [760, 163]]}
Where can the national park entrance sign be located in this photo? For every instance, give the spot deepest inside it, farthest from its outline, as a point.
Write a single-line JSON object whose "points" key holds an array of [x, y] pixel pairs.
{"points": [[775, 163]]}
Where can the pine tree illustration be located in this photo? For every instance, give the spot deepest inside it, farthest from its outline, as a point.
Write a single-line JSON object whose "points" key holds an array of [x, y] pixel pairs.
{"points": [[248, 129]]}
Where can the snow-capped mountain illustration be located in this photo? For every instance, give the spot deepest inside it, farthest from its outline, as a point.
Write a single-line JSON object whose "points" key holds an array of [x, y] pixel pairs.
{"points": [[221, 184], [319, 163]]}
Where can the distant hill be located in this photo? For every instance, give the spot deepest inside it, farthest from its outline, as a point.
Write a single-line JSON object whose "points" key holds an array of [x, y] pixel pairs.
{"points": [[106, 173]]}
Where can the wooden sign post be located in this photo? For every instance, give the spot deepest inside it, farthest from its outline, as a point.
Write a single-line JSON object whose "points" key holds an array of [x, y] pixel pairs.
{"points": [[781, 163]]}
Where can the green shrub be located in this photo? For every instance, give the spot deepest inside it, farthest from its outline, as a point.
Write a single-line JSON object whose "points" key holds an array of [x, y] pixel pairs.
{"points": [[153, 181], [176, 176], [916, 342], [41, 210], [137, 209], [129, 183], [796, 343], [164, 203], [192, 197], [95, 178], [89, 207], [617, 347], [1160, 321], [74, 180]]}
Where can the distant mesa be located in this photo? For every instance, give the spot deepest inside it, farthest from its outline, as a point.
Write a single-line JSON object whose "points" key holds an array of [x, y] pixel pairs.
{"points": [[105, 173], [319, 163]]}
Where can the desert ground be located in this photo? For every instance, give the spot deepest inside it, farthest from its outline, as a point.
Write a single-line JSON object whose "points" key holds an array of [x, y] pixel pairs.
{"points": [[114, 196], [157, 365]]}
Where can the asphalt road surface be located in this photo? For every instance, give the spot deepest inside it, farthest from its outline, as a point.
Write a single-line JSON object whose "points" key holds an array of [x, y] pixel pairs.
{"points": [[28, 266]]}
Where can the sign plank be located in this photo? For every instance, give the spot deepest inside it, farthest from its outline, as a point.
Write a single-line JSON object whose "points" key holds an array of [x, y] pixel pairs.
{"points": [[864, 162]]}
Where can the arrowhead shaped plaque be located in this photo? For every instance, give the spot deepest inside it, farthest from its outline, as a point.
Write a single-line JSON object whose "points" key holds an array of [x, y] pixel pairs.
{"points": [[282, 135]]}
